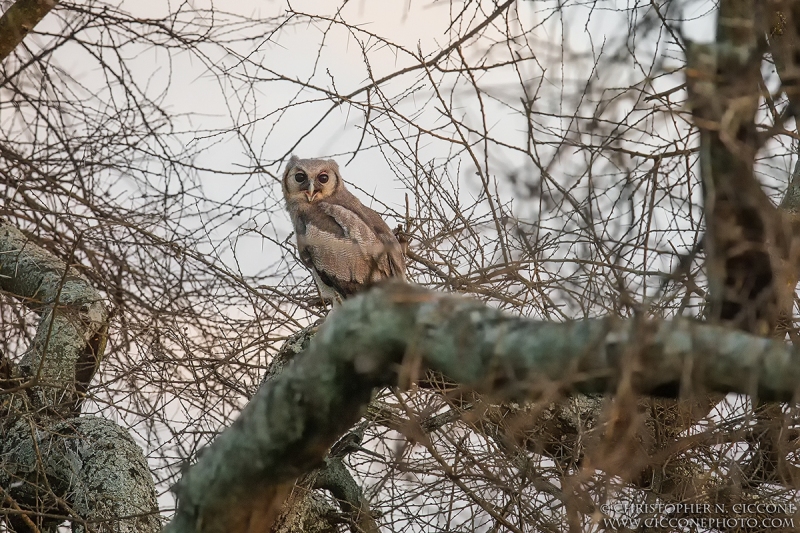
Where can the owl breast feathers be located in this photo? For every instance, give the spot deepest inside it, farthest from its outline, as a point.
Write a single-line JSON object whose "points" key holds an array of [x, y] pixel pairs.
{"points": [[346, 245]]}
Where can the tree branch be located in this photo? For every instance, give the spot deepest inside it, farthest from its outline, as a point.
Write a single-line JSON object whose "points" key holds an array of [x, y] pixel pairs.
{"points": [[240, 481], [71, 334], [749, 248], [93, 472], [96, 475], [335, 478], [19, 20]]}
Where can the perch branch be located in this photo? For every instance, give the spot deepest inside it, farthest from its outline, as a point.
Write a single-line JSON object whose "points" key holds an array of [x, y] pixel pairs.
{"points": [[286, 430]]}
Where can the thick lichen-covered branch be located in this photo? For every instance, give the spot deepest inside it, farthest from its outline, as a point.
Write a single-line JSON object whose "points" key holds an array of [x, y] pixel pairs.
{"points": [[305, 510], [397, 330], [71, 333], [96, 475], [53, 466]]}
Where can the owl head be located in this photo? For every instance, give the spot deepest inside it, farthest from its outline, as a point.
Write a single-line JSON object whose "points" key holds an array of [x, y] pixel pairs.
{"points": [[310, 180]]}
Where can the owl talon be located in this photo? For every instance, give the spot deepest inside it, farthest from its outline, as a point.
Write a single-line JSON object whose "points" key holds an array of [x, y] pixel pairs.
{"points": [[316, 301]]}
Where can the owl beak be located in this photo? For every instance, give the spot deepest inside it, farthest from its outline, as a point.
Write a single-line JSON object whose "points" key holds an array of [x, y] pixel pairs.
{"points": [[310, 192]]}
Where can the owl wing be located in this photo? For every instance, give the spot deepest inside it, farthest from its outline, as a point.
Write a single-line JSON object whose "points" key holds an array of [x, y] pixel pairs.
{"points": [[344, 249], [367, 227], [390, 247]]}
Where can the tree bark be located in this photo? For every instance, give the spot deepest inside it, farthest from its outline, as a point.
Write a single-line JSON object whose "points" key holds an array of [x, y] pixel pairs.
{"points": [[88, 469], [751, 252], [71, 333], [240, 481], [305, 510], [19, 20], [53, 466]]}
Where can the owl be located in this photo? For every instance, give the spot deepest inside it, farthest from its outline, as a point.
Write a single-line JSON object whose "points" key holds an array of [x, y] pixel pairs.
{"points": [[346, 245]]}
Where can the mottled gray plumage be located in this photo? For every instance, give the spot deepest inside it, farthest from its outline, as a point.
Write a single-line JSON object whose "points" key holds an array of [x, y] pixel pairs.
{"points": [[346, 245]]}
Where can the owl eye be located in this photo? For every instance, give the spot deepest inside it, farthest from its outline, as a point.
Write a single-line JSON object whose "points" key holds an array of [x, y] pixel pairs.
{"points": [[300, 177], [322, 178]]}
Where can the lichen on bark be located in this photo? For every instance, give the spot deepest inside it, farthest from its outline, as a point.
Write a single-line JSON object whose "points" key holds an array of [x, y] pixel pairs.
{"points": [[55, 465], [289, 425]]}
